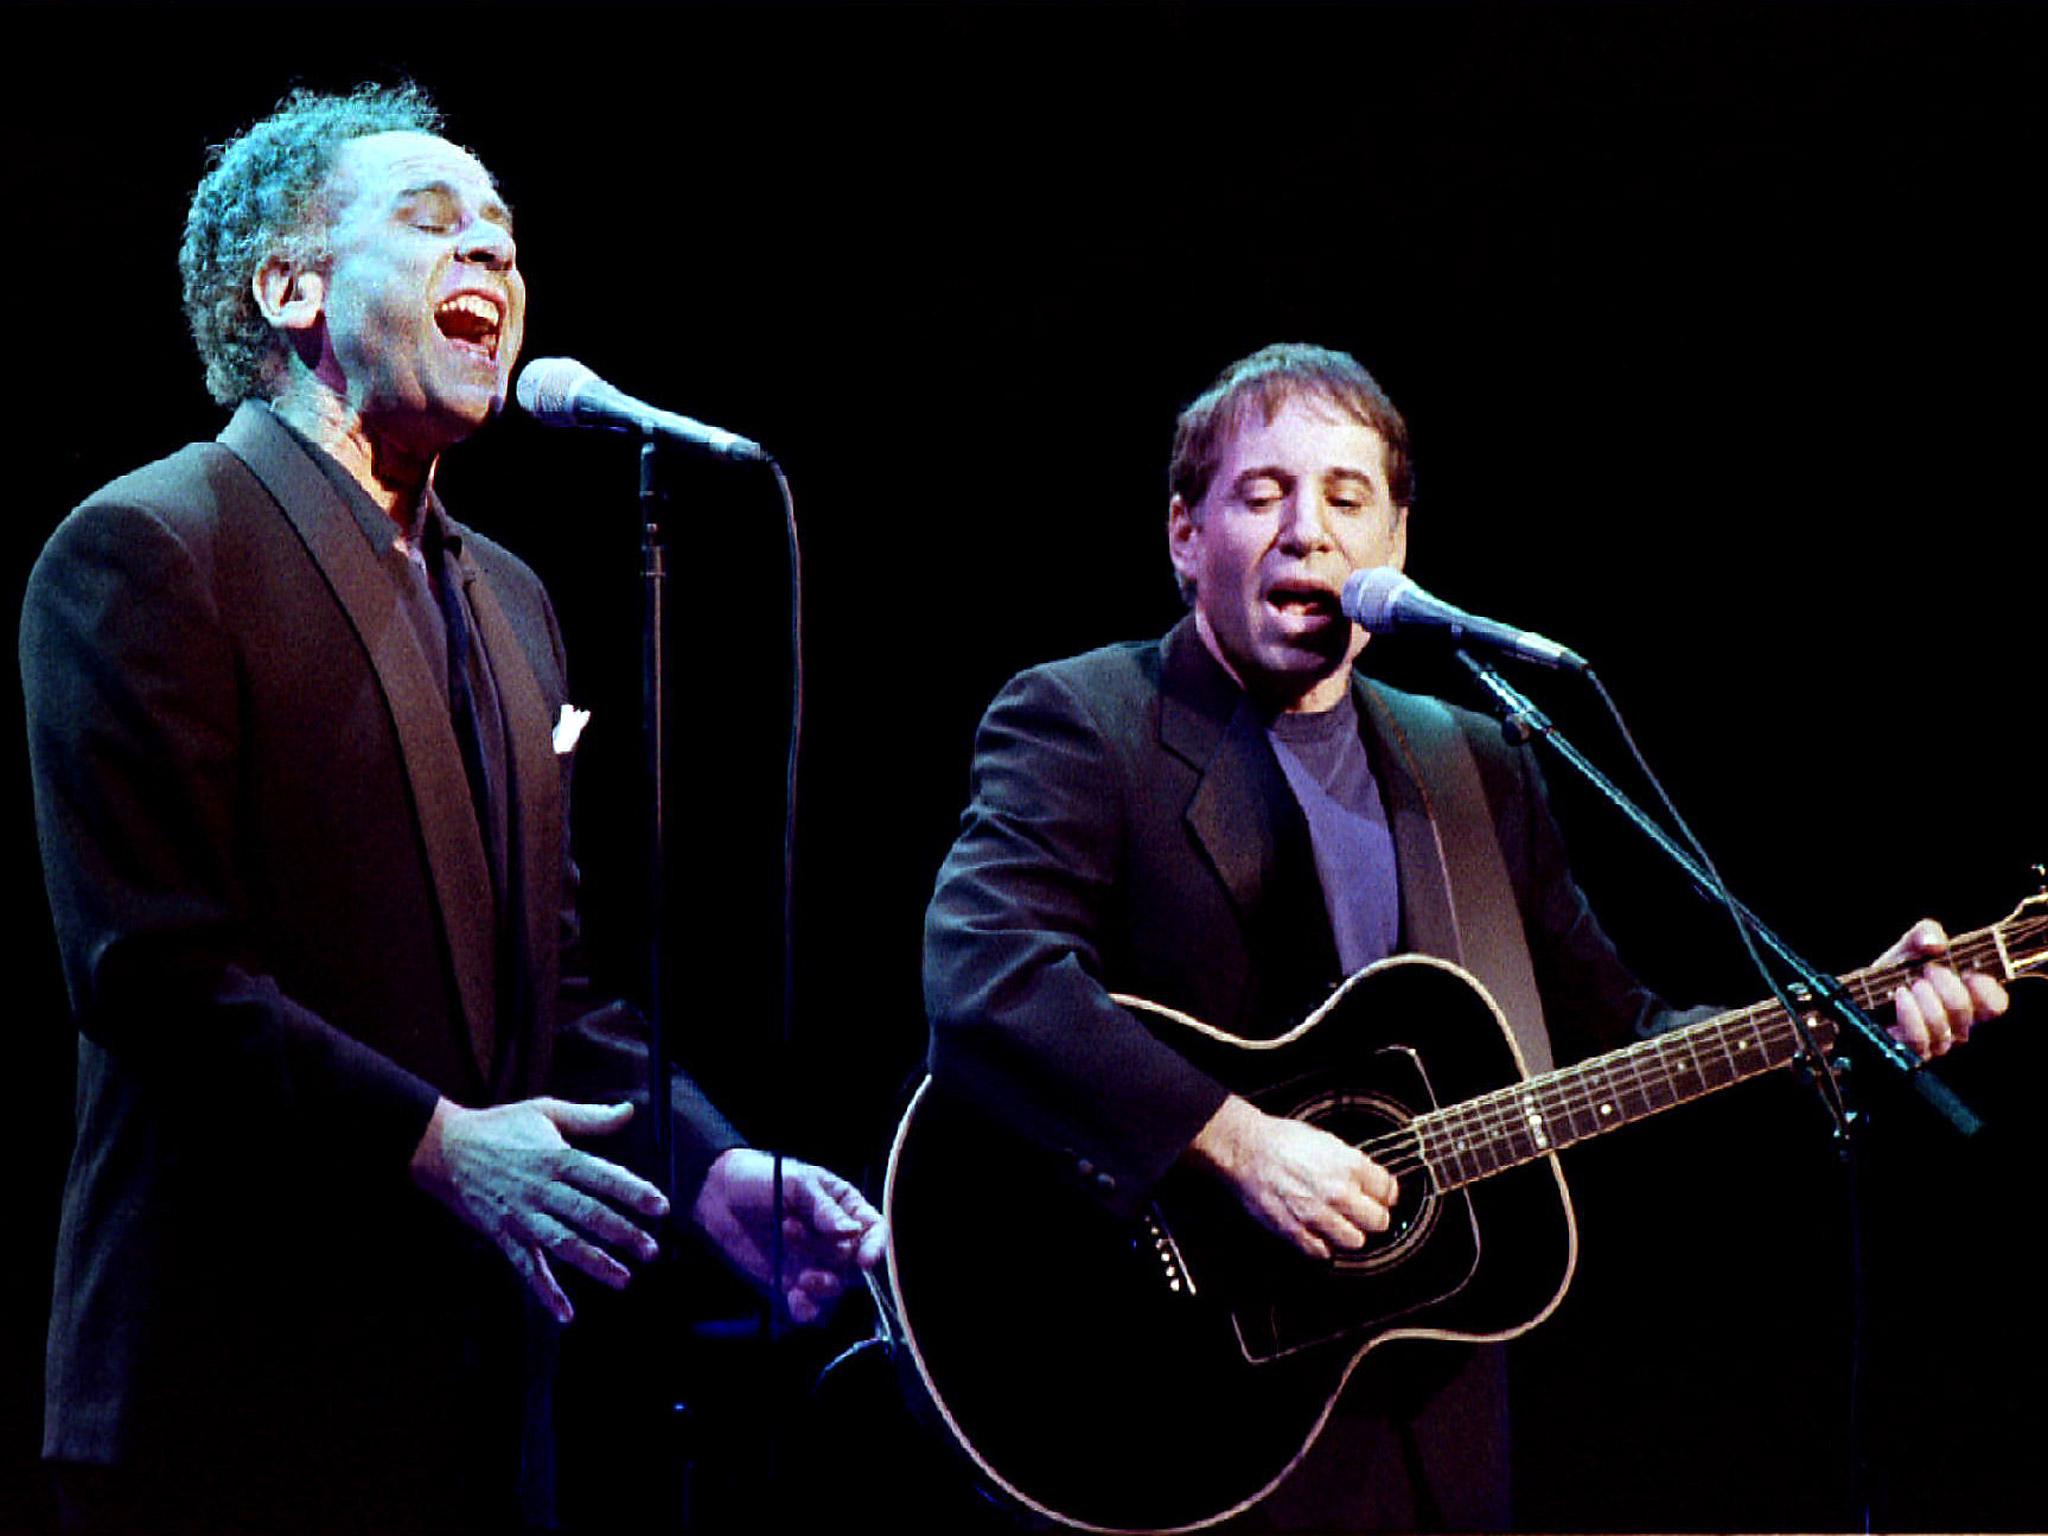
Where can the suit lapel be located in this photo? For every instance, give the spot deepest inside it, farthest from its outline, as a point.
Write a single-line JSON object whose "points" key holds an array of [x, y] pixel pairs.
{"points": [[1244, 816], [419, 714], [1206, 721]]}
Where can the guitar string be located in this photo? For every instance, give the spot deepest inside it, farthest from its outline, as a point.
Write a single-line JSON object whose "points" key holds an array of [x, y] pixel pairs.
{"points": [[1501, 1120], [1568, 1087], [1651, 1068]]}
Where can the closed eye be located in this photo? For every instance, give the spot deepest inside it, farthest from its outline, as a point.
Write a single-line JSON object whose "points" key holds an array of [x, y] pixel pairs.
{"points": [[1260, 491]]}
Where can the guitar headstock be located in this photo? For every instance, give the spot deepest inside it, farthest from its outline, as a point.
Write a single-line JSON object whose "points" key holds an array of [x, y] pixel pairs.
{"points": [[2023, 937]]}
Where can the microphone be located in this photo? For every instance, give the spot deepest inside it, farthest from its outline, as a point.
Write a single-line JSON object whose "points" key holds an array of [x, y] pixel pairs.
{"points": [[561, 392], [1382, 600]]}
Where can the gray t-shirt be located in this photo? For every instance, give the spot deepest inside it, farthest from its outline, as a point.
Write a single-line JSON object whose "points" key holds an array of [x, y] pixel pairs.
{"points": [[1326, 765]]}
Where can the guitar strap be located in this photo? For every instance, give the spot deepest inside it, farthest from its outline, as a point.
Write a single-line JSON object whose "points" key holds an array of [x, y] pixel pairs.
{"points": [[1485, 918]]}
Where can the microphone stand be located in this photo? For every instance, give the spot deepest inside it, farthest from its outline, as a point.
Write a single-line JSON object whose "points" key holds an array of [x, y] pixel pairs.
{"points": [[654, 721], [654, 727], [1809, 988], [673, 1485]]}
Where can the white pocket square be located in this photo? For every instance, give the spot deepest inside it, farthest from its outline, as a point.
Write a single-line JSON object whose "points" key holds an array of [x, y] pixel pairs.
{"points": [[568, 728]]}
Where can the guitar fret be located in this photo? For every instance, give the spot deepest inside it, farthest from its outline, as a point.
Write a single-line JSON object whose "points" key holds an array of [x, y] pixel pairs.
{"points": [[1486, 1144], [1464, 1143], [1563, 1114], [1447, 1164], [1681, 1070], [1656, 1088], [1627, 1104], [1456, 1151], [1581, 1118], [1509, 1127], [1717, 1064], [1607, 1103]]}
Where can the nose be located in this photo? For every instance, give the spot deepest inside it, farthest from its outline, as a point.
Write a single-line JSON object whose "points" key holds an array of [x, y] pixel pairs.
{"points": [[489, 244], [1304, 522]]}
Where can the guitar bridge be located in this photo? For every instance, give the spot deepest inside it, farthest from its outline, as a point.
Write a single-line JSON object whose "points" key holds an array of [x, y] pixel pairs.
{"points": [[1164, 1254]]}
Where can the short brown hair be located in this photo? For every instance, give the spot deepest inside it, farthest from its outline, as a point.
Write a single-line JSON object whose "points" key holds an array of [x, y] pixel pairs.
{"points": [[1266, 381]]}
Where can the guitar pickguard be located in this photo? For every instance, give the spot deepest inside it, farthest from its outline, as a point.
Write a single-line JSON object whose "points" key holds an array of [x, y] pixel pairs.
{"points": [[1427, 1255]]}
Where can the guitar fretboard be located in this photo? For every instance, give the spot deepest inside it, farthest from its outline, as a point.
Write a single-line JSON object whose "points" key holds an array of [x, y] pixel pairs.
{"points": [[1474, 1140]]}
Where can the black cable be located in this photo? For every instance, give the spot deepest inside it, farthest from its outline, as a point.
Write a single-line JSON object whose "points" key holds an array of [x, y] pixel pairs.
{"points": [[1824, 1072]]}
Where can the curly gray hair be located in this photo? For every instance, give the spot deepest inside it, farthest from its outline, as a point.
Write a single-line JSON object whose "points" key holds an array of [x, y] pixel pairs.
{"points": [[261, 195]]}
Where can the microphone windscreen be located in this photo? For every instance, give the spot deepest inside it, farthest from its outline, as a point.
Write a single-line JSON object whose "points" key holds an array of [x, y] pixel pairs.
{"points": [[548, 387], [1370, 597]]}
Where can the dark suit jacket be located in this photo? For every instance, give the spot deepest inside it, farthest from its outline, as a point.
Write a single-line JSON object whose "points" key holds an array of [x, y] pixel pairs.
{"points": [[276, 921], [1130, 830]]}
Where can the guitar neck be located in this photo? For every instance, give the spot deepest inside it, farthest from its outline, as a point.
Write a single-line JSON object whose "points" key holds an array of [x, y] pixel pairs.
{"points": [[1467, 1142]]}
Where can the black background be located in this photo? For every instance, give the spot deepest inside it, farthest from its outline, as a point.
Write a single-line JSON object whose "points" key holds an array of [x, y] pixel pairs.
{"points": [[1719, 332]]}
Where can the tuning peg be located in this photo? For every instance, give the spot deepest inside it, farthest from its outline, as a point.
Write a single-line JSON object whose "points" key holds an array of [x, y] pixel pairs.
{"points": [[2040, 871]]}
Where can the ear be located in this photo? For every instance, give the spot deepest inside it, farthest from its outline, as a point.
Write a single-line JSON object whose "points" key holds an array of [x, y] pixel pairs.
{"points": [[1183, 541], [290, 295]]}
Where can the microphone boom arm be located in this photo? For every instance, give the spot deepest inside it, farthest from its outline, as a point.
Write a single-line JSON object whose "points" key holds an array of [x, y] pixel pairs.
{"points": [[1816, 988]]}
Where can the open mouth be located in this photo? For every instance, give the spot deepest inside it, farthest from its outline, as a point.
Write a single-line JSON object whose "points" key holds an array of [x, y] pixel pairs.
{"points": [[474, 321], [1305, 602]]}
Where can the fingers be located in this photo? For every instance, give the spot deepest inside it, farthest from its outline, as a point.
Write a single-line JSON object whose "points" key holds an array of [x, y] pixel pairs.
{"points": [[567, 1226], [615, 1184], [813, 1295], [508, 1172], [1321, 1238], [593, 1217], [1909, 1025], [1925, 940], [529, 1240], [584, 1119], [1937, 1010], [1357, 1211], [1987, 995], [1951, 997], [1307, 1186], [817, 1198], [1340, 1211], [551, 1239], [830, 1216], [873, 1244], [1380, 1186], [532, 1267]]}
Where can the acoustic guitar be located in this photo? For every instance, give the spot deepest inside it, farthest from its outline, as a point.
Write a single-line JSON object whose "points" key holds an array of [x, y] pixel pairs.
{"points": [[1166, 1373]]}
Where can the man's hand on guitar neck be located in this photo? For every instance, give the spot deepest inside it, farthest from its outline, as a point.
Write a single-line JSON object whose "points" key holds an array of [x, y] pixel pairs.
{"points": [[1936, 1012], [1315, 1190]]}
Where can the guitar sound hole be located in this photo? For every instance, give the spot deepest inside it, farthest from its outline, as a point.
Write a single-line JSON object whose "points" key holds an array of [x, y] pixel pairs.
{"points": [[1361, 1118]]}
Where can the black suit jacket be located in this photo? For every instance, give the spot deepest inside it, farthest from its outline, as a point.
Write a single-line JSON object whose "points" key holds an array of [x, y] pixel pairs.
{"points": [[1130, 830], [277, 927]]}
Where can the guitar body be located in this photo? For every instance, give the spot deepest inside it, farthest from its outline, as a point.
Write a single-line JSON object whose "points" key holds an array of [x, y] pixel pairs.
{"points": [[1166, 1373]]}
